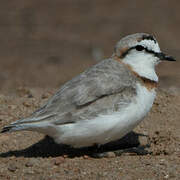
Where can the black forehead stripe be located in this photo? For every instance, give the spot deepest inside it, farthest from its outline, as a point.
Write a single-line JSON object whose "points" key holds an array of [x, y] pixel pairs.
{"points": [[134, 47], [148, 37]]}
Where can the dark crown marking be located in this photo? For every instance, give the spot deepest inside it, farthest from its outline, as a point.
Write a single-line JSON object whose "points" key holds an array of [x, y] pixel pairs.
{"points": [[125, 51], [148, 37]]}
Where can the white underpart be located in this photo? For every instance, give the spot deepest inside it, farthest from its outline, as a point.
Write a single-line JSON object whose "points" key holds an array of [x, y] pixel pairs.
{"points": [[106, 128], [142, 62]]}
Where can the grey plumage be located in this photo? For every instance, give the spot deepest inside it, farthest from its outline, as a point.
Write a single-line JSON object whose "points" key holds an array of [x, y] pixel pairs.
{"points": [[106, 101], [103, 88]]}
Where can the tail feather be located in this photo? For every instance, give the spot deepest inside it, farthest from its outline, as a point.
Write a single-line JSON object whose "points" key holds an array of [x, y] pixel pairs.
{"points": [[21, 124], [6, 129], [32, 126], [12, 128]]}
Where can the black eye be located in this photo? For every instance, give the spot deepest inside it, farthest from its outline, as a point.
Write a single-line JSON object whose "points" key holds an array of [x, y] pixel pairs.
{"points": [[139, 48]]}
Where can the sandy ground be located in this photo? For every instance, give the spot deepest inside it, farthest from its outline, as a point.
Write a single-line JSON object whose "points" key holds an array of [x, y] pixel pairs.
{"points": [[45, 43], [29, 155]]}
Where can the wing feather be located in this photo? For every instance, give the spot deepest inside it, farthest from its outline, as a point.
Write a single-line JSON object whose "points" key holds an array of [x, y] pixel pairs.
{"points": [[99, 83]]}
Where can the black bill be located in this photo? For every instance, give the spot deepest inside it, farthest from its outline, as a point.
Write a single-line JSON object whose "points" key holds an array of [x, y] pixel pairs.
{"points": [[164, 57]]}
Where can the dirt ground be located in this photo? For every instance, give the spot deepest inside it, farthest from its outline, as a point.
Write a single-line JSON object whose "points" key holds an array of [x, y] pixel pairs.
{"points": [[27, 155], [44, 44]]}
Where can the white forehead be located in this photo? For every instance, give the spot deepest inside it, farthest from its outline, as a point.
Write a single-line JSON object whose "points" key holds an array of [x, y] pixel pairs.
{"points": [[150, 45]]}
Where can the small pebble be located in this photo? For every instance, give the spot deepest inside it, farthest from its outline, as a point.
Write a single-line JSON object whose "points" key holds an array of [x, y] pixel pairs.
{"points": [[86, 157], [45, 96], [30, 96], [27, 104], [29, 164], [12, 167], [32, 162], [104, 155], [59, 160], [110, 155], [65, 156]]}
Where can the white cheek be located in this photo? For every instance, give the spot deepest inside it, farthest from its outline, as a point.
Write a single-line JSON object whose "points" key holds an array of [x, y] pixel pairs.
{"points": [[141, 58], [143, 64]]}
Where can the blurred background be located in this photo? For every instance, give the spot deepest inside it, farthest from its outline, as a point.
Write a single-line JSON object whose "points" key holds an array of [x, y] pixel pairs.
{"points": [[45, 43]]}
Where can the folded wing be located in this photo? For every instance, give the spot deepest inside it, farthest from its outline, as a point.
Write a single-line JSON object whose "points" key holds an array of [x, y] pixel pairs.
{"points": [[98, 90]]}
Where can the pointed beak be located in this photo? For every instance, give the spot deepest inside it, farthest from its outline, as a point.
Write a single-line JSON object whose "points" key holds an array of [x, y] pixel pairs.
{"points": [[164, 57]]}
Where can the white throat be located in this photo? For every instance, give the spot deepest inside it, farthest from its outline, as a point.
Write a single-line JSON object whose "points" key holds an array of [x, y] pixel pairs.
{"points": [[143, 64]]}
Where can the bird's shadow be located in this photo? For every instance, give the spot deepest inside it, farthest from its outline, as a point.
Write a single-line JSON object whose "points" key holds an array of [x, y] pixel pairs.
{"points": [[48, 148]]}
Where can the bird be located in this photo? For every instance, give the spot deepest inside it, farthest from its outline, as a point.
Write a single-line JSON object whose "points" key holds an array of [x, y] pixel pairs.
{"points": [[106, 101]]}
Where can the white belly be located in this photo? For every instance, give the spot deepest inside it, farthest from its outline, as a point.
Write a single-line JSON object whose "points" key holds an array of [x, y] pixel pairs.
{"points": [[107, 128]]}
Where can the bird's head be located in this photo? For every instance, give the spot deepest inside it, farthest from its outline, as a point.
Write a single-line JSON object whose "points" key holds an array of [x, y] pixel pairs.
{"points": [[142, 53]]}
